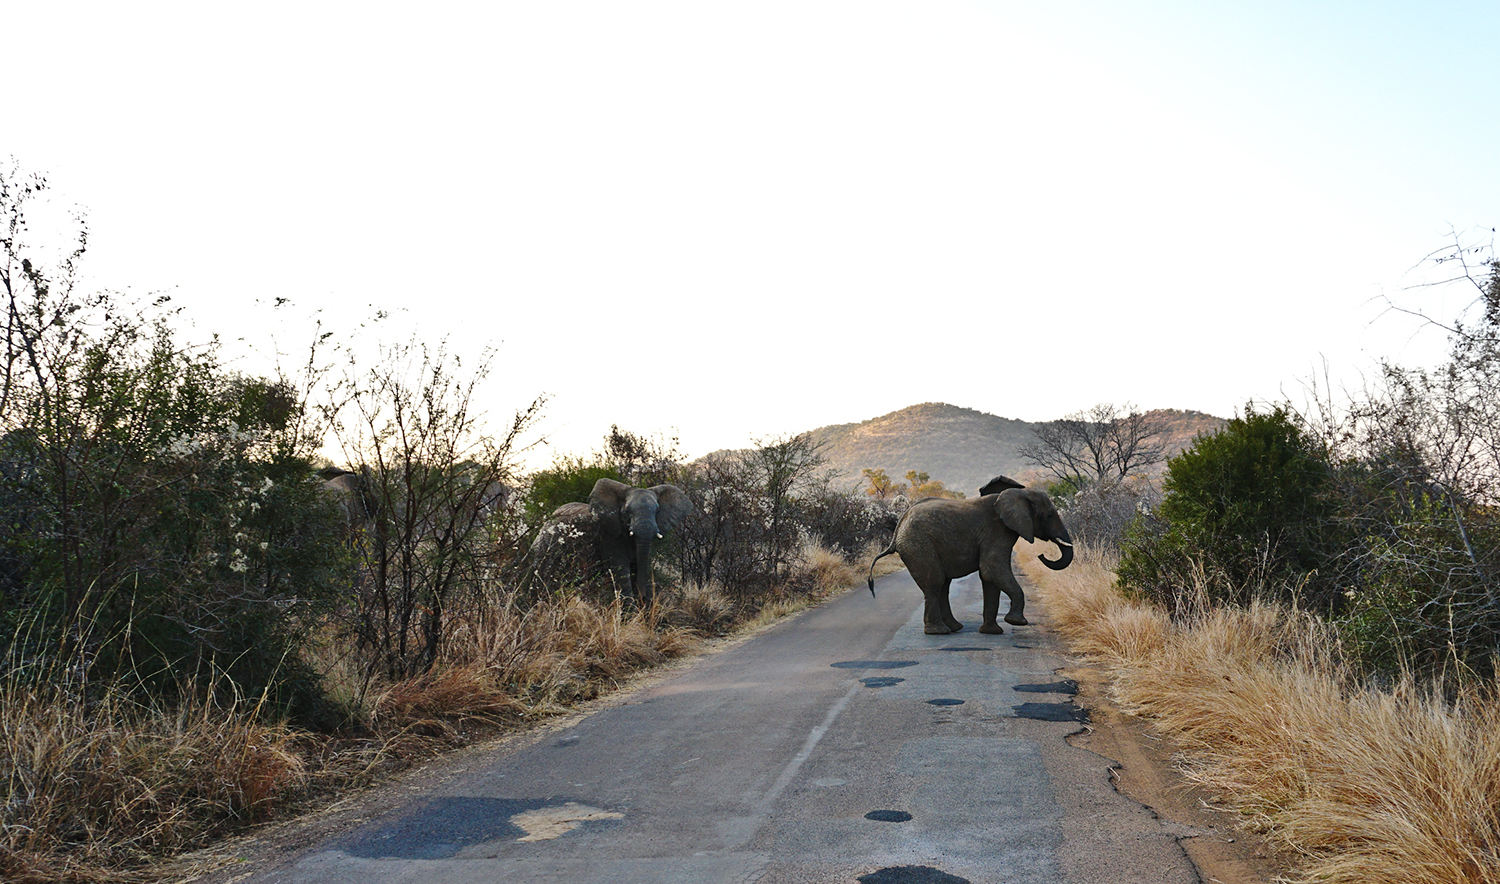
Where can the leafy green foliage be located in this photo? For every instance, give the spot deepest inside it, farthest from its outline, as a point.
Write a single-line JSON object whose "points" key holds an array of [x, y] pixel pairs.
{"points": [[570, 480], [1249, 507], [624, 456]]}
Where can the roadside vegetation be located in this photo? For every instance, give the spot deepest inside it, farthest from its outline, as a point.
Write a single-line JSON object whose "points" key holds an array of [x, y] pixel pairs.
{"points": [[1305, 604], [198, 632]]}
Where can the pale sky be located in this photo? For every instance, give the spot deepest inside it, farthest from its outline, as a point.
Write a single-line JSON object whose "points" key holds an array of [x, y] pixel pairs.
{"points": [[730, 221]]}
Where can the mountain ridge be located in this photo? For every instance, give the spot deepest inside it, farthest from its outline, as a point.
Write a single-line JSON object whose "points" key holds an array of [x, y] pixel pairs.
{"points": [[962, 447]]}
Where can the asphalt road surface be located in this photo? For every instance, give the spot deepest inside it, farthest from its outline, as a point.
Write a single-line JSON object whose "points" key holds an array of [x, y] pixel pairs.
{"points": [[842, 745]]}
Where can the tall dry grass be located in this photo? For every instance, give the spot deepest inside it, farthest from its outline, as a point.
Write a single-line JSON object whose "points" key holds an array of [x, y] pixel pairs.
{"points": [[1362, 784], [93, 791]]}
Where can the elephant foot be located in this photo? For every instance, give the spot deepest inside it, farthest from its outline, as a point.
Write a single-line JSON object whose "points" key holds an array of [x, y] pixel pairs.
{"points": [[992, 629], [1017, 620], [955, 626], [936, 629]]}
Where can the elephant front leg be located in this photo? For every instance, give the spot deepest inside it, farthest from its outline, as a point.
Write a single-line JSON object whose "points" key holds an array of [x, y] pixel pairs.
{"points": [[1017, 614]]}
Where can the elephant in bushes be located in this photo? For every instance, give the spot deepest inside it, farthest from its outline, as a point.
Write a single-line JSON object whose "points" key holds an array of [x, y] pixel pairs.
{"points": [[623, 523], [941, 540], [350, 492]]}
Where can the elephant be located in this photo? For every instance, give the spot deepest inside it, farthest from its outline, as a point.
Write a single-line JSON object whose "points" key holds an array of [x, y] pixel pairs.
{"points": [[350, 492], [624, 522], [941, 540], [460, 503]]}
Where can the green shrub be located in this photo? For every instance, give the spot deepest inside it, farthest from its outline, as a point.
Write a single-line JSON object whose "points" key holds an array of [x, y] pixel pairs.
{"points": [[570, 480], [1246, 511], [161, 530]]}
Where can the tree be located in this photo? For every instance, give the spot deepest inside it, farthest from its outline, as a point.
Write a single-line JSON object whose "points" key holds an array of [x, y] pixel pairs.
{"points": [[410, 421], [882, 486], [782, 465], [1106, 443], [1418, 481], [922, 485], [640, 460]]}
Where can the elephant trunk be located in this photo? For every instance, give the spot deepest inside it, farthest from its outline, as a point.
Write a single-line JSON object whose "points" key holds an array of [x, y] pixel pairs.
{"points": [[643, 541], [1065, 548]]}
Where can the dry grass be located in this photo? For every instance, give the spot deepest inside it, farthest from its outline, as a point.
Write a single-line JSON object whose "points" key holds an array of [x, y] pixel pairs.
{"points": [[1363, 784], [829, 571], [92, 792]]}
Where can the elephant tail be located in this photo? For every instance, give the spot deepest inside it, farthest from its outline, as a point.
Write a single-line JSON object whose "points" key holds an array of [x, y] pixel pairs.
{"points": [[888, 550]]}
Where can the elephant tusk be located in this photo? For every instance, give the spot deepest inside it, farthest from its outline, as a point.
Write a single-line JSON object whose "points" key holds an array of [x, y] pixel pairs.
{"points": [[659, 536]]}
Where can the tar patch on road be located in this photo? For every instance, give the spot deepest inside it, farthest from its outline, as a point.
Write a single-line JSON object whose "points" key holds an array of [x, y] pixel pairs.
{"points": [[889, 816], [1051, 712], [966, 648], [881, 681], [874, 664], [445, 827], [945, 701], [1066, 686], [911, 875]]}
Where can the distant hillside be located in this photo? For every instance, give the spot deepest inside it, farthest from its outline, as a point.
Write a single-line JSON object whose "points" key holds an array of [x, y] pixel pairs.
{"points": [[960, 447]]}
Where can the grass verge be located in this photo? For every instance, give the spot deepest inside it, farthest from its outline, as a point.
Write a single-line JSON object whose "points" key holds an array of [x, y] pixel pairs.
{"points": [[1362, 783]]}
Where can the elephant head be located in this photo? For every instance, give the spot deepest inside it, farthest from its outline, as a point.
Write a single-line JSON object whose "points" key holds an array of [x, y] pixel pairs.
{"points": [[999, 484], [1031, 515], [630, 521]]}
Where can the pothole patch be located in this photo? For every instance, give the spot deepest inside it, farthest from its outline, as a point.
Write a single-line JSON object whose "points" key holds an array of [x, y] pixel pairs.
{"points": [[1066, 686], [881, 681], [910, 875], [547, 823], [874, 664], [1051, 712], [945, 701], [889, 816]]}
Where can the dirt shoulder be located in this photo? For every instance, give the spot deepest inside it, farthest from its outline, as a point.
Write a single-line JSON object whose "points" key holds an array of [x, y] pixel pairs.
{"points": [[1144, 771]]}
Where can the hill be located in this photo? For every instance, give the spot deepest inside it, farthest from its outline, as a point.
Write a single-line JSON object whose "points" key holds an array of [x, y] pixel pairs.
{"points": [[960, 447]]}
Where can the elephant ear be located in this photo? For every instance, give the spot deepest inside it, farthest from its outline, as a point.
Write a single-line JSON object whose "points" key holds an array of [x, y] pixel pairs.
{"points": [[1017, 513], [606, 500], [999, 484], [674, 505]]}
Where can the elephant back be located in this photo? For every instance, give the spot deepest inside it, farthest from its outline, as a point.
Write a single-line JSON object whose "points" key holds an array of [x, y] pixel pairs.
{"points": [[568, 525]]}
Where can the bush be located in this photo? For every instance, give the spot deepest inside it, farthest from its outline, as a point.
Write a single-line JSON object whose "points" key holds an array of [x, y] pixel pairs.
{"points": [[1099, 514], [848, 523], [1249, 506], [570, 480], [162, 534]]}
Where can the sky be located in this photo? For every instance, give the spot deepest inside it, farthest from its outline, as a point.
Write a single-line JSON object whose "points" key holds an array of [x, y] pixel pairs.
{"points": [[728, 222]]}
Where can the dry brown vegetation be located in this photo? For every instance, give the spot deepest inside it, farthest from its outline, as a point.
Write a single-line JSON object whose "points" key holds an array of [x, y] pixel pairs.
{"points": [[1361, 783]]}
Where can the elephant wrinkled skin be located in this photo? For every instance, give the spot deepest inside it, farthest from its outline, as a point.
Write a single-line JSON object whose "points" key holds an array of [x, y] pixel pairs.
{"points": [[941, 540]]}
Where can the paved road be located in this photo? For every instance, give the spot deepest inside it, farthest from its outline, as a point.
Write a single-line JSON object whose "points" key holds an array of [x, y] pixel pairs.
{"points": [[843, 745]]}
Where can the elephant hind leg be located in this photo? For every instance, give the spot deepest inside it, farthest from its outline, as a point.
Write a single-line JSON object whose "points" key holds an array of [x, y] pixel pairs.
{"points": [[947, 609], [937, 612]]}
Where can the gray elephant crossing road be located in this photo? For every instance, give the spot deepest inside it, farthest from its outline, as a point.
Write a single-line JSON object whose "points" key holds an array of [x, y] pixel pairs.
{"points": [[842, 745]]}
